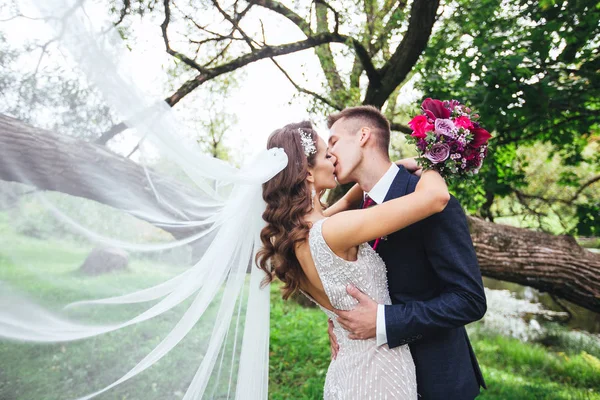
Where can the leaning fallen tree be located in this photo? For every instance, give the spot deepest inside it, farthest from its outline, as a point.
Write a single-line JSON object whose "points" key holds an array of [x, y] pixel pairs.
{"points": [[553, 264]]}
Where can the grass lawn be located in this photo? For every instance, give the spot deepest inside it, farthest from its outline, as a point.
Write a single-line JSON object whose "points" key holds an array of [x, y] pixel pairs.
{"points": [[512, 369]]}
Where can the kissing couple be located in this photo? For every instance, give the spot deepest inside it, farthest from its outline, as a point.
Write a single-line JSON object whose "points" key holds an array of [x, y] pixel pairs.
{"points": [[391, 263]]}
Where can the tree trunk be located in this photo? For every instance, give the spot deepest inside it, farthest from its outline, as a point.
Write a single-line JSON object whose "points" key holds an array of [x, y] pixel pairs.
{"points": [[555, 264], [65, 164], [422, 17]]}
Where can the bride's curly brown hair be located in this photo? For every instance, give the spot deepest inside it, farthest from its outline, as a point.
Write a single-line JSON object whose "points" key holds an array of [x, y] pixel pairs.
{"points": [[288, 200]]}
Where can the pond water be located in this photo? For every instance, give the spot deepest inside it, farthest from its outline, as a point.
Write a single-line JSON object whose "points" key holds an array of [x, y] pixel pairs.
{"points": [[583, 319]]}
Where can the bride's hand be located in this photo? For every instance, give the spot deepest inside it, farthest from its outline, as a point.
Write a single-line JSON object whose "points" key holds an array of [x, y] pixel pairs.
{"points": [[411, 165]]}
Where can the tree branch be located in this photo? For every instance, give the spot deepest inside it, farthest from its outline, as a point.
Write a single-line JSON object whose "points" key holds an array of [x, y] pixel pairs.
{"points": [[208, 74], [325, 55], [217, 56], [397, 127], [558, 200], [395, 70], [360, 50], [235, 25], [124, 11], [585, 185], [394, 18], [111, 133], [369, 11], [286, 12], [262, 53], [336, 15], [299, 88], [365, 59], [188, 61]]}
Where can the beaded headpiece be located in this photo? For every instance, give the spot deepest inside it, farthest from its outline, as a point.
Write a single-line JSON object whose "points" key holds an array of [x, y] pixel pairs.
{"points": [[307, 143]]}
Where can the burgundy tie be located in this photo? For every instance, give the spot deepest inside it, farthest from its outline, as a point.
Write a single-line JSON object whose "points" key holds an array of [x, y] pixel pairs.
{"points": [[369, 202]]}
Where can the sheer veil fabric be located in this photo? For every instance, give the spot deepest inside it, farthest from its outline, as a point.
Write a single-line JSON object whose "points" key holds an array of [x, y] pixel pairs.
{"points": [[189, 304]]}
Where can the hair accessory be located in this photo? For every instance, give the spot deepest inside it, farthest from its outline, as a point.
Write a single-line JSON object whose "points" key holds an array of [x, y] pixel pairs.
{"points": [[307, 143]]}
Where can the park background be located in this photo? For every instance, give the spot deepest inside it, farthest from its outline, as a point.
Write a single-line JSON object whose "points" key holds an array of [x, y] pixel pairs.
{"points": [[530, 68]]}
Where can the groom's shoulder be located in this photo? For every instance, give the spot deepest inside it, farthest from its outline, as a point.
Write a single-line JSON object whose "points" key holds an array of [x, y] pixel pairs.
{"points": [[412, 182]]}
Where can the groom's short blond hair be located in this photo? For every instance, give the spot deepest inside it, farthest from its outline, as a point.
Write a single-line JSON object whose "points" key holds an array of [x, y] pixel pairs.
{"points": [[366, 116]]}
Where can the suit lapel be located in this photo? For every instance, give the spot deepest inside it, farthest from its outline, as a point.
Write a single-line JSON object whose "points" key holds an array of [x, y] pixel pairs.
{"points": [[399, 185]]}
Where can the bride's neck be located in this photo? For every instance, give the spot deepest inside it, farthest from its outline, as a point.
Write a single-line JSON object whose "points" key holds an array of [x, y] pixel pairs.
{"points": [[316, 213]]}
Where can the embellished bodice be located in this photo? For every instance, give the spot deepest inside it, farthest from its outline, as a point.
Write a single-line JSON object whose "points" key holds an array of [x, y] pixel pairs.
{"points": [[367, 273], [361, 369]]}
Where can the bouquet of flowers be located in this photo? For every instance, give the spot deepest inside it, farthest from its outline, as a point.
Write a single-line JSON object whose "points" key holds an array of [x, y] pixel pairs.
{"points": [[448, 138]]}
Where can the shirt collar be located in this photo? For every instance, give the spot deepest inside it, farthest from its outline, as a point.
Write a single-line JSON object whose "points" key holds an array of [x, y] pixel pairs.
{"points": [[383, 185]]}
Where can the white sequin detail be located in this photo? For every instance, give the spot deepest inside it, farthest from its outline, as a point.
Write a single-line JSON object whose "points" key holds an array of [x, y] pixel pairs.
{"points": [[362, 370]]}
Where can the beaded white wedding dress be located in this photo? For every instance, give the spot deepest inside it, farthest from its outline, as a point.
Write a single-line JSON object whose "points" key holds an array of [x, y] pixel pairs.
{"points": [[362, 370]]}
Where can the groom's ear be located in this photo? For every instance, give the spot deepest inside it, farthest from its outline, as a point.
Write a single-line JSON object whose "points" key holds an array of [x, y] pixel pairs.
{"points": [[364, 135]]}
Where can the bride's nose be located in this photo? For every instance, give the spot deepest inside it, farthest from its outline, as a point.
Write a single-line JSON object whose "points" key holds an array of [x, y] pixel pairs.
{"points": [[332, 158]]}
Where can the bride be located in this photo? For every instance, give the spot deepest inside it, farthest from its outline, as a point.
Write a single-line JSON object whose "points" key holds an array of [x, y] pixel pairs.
{"points": [[321, 251], [191, 227]]}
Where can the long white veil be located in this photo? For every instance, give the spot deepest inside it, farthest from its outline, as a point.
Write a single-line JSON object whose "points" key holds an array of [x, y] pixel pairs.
{"points": [[183, 304]]}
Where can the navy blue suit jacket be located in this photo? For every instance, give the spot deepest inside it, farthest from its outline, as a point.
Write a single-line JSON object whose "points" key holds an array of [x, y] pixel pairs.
{"points": [[436, 289]]}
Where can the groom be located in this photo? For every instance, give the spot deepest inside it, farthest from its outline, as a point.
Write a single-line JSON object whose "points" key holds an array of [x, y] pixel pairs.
{"points": [[433, 274]]}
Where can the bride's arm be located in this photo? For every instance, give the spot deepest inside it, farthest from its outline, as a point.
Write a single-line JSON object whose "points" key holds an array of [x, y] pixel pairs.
{"points": [[411, 165], [351, 228], [351, 200]]}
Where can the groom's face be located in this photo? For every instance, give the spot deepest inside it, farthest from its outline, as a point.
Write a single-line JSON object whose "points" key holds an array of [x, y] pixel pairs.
{"points": [[344, 144]]}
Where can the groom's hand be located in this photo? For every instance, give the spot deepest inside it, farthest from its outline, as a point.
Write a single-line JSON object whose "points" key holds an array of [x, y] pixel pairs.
{"points": [[361, 321]]}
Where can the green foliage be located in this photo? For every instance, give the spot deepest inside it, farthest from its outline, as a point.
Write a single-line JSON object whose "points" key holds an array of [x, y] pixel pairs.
{"points": [[588, 219], [576, 370], [530, 69], [560, 339], [299, 350], [552, 199]]}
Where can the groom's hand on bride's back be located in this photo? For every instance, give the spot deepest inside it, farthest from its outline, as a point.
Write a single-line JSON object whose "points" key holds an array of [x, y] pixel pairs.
{"points": [[335, 347], [361, 321]]}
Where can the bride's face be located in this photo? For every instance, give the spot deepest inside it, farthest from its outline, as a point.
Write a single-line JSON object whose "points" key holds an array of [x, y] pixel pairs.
{"points": [[323, 171]]}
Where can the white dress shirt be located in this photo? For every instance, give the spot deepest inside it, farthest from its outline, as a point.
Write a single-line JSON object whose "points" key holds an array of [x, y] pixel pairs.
{"points": [[378, 194]]}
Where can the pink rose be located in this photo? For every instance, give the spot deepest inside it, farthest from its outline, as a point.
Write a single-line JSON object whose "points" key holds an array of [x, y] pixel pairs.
{"points": [[435, 109], [444, 127], [463, 122], [480, 136], [438, 153], [420, 126]]}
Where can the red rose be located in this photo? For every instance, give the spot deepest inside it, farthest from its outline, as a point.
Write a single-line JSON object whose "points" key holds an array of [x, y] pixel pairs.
{"points": [[435, 109], [420, 126], [469, 154]]}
